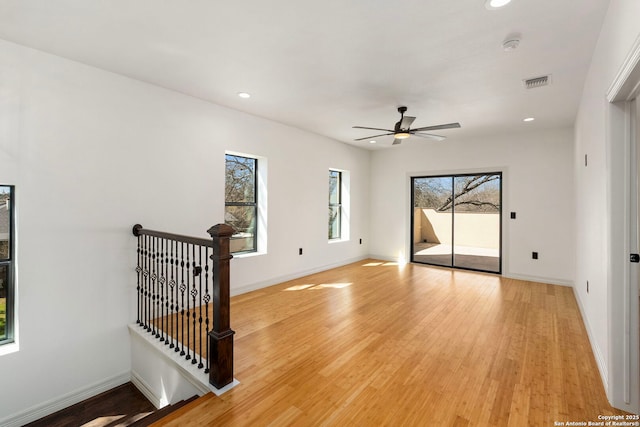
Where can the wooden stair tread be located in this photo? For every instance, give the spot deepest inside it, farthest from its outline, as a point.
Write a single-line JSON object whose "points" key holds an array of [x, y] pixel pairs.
{"points": [[187, 407], [161, 413]]}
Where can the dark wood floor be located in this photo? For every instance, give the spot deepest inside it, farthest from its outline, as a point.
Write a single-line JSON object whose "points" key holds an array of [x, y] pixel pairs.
{"points": [[120, 406]]}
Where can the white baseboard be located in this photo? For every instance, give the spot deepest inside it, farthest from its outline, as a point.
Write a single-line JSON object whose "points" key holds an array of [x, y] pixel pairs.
{"points": [[597, 353], [54, 405], [384, 258], [538, 279], [287, 277], [145, 389]]}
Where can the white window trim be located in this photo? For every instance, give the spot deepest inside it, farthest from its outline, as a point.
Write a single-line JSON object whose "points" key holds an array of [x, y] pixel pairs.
{"points": [[263, 166], [345, 211]]}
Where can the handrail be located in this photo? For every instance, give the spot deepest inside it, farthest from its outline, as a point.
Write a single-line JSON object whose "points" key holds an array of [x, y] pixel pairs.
{"points": [[184, 296], [138, 230]]}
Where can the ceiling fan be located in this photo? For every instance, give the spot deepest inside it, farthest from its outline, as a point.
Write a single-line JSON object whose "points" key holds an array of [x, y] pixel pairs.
{"points": [[402, 129]]}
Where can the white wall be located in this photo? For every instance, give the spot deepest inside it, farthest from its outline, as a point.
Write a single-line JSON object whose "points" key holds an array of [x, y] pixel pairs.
{"points": [[537, 185], [92, 153], [600, 212]]}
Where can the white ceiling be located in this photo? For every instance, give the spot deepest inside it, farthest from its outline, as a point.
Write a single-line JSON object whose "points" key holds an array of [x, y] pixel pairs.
{"points": [[327, 65]]}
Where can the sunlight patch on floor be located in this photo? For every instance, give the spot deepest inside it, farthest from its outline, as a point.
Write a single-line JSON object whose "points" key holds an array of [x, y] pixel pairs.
{"points": [[111, 420], [333, 285], [320, 286], [383, 264], [298, 287], [103, 421]]}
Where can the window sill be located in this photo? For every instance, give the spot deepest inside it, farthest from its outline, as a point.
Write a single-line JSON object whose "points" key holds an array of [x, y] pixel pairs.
{"points": [[9, 348], [248, 254], [337, 241]]}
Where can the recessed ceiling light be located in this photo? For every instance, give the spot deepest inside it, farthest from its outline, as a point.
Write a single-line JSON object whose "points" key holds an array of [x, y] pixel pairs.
{"points": [[244, 95], [372, 142], [529, 119], [495, 4]]}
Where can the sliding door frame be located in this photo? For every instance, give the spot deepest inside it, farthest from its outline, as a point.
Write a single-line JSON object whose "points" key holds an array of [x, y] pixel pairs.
{"points": [[453, 176]]}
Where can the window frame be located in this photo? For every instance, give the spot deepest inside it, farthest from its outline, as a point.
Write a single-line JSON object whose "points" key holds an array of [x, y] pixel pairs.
{"points": [[9, 263], [254, 203], [338, 205]]}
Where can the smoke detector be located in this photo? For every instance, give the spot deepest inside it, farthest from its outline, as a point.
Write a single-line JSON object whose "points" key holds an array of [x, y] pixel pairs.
{"points": [[510, 44], [511, 41]]}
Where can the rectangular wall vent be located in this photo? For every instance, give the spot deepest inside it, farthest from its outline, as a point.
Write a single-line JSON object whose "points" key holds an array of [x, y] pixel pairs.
{"points": [[537, 82]]}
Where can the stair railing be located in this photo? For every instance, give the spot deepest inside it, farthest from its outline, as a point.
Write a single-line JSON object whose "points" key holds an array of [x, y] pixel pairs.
{"points": [[184, 296]]}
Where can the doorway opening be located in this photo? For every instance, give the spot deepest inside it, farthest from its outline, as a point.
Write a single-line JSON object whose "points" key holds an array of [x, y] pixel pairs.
{"points": [[456, 221]]}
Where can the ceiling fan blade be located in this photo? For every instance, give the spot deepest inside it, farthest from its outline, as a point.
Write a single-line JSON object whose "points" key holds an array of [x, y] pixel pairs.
{"points": [[373, 136], [396, 141], [431, 136], [437, 127], [406, 122], [362, 127]]}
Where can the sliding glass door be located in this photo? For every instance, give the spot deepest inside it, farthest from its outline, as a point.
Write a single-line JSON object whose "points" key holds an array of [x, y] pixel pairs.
{"points": [[456, 221]]}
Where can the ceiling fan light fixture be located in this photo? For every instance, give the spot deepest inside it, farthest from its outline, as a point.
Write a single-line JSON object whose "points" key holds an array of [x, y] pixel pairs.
{"points": [[495, 4], [403, 130]]}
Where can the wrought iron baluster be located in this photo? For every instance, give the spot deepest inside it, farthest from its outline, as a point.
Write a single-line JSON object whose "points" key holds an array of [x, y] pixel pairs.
{"points": [[154, 285], [162, 281], [138, 287], [200, 365], [179, 339], [157, 320], [186, 341], [146, 283], [206, 299], [194, 294], [173, 310], [144, 299]]}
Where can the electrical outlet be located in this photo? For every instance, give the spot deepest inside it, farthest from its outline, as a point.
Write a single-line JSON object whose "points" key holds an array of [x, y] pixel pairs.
{"points": [[513, 215], [360, 241], [534, 255], [300, 251]]}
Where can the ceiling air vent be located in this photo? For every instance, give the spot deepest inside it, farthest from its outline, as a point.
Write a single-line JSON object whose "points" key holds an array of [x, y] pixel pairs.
{"points": [[537, 82]]}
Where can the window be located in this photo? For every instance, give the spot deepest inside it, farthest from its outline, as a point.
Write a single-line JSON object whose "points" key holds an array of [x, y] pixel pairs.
{"points": [[7, 244], [241, 202], [335, 204]]}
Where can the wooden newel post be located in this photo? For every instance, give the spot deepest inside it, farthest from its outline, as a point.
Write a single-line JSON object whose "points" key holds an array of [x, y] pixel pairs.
{"points": [[221, 337]]}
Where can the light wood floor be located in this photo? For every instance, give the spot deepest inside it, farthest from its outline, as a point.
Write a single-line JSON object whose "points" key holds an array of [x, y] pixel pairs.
{"points": [[373, 344]]}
